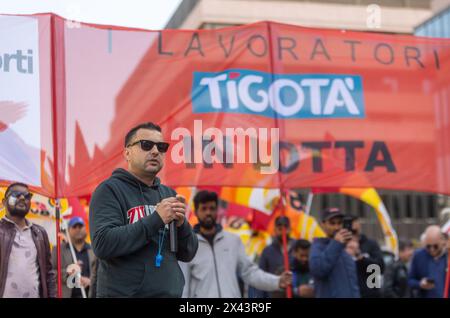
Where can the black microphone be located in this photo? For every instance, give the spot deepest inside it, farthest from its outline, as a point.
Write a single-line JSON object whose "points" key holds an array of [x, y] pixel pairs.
{"points": [[173, 237]]}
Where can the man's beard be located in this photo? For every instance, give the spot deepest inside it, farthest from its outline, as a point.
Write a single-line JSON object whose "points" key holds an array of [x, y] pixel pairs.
{"points": [[79, 239], [154, 169], [279, 238], [300, 267], [333, 234], [208, 223], [14, 211]]}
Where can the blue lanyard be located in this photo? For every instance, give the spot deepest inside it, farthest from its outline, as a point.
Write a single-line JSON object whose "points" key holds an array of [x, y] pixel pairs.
{"points": [[294, 279], [159, 257]]}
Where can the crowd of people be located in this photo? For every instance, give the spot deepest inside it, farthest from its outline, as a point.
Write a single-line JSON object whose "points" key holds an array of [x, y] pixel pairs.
{"points": [[131, 216], [346, 263], [335, 266]]}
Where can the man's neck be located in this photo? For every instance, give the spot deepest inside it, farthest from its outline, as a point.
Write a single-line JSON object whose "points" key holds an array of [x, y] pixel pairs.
{"points": [[147, 179], [78, 245], [20, 221]]}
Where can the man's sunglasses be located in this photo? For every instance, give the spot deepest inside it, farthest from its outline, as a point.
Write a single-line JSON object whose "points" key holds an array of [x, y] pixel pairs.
{"points": [[432, 246], [148, 145], [18, 194]]}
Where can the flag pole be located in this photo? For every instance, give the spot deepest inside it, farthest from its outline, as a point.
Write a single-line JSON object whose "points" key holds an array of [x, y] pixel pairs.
{"points": [[282, 206], [447, 279], [307, 213], [58, 246], [53, 43], [282, 190]]}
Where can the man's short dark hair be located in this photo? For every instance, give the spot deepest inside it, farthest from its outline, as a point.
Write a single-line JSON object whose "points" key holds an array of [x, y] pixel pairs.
{"points": [[203, 197], [301, 245], [15, 184], [404, 244], [130, 135]]}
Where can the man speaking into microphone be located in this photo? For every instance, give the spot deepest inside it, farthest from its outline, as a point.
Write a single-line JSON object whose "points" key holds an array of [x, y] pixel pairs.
{"points": [[130, 214]]}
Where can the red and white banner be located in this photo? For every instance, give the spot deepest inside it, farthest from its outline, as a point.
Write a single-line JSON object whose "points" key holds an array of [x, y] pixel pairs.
{"points": [[337, 109], [20, 108]]}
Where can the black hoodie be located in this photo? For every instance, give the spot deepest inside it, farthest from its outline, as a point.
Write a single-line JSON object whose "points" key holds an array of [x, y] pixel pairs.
{"points": [[125, 232]]}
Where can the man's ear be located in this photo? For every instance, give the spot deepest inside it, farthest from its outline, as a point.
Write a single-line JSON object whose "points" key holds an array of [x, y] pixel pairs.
{"points": [[126, 154]]}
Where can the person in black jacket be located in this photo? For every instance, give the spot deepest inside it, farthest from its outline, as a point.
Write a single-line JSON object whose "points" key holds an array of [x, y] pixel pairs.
{"points": [[129, 217], [272, 257], [370, 253], [396, 274]]}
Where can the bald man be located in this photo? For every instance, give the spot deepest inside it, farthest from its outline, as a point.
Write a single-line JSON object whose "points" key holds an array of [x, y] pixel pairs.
{"points": [[428, 266]]}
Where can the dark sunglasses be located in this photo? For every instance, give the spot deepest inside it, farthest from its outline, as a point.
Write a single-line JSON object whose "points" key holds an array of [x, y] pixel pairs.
{"points": [[433, 246], [18, 194], [148, 145]]}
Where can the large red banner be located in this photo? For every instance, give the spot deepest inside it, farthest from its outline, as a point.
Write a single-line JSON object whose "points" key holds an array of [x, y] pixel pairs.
{"points": [[263, 105]]}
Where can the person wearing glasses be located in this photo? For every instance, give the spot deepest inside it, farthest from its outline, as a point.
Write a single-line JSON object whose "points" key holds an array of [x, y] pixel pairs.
{"points": [[129, 217], [429, 264], [25, 261]]}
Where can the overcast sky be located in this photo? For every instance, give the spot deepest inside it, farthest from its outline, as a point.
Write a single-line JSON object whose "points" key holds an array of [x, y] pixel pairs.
{"points": [[146, 14]]}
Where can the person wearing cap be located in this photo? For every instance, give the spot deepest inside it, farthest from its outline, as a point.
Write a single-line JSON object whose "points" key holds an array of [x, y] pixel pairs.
{"points": [[85, 259], [333, 270], [272, 257]]}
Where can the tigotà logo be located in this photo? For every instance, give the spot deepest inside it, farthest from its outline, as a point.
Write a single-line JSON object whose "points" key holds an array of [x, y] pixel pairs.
{"points": [[278, 95]]}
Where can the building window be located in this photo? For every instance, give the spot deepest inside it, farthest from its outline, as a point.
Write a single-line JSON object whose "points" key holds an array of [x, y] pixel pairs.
{"points": [[409, 206], [395, 207], [431, 206]]}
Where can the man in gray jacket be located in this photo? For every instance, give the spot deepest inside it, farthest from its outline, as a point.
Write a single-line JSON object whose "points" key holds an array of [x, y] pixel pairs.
{"points": [[220, 258]]}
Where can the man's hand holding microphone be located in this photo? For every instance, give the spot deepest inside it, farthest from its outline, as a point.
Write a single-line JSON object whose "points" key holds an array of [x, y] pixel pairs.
{"points": [[172, 209]]}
